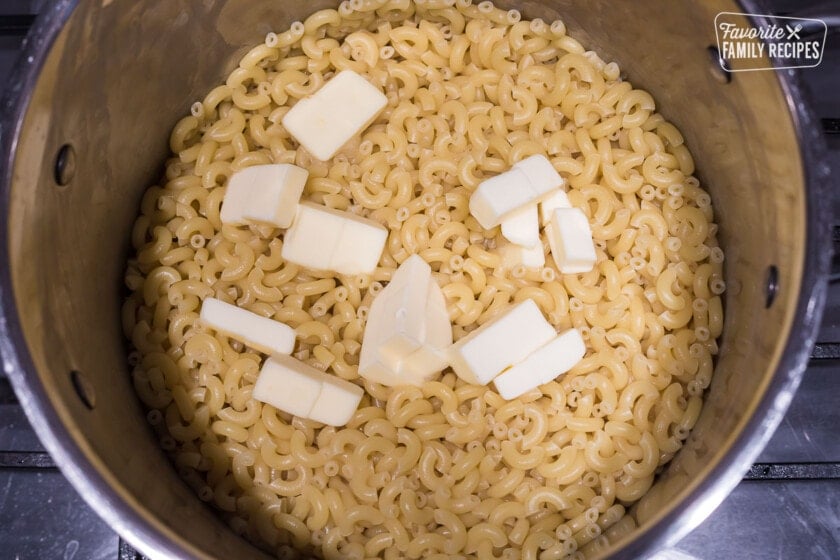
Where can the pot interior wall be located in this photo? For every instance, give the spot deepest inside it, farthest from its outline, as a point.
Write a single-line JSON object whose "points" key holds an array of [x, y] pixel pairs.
{"points": [[122, 73]]}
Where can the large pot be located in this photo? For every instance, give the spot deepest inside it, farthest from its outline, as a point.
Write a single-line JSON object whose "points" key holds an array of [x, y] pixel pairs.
{"points": [[110, 79]]}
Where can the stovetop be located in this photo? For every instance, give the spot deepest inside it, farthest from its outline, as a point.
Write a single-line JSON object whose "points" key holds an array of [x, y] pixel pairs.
{"points": [[788, 505]]}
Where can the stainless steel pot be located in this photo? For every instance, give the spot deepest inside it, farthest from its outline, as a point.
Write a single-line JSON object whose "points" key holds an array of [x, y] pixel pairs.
{"points": [[110, 78]]}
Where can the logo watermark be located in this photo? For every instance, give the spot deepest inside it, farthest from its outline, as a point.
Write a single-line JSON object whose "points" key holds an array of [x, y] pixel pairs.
{"points": [[763, 42]]}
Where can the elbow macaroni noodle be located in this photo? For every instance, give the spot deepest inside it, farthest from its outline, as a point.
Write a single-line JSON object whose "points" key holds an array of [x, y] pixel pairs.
{"points": [[447, 470]]}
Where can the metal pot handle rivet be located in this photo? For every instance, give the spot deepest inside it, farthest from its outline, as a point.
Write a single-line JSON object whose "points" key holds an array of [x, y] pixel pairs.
{"points": [[83, 388], [65, 165], [772, 285], [719, 66]]}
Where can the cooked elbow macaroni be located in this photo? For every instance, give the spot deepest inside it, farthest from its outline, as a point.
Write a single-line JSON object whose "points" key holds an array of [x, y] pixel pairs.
{"points": [[448, 469]]}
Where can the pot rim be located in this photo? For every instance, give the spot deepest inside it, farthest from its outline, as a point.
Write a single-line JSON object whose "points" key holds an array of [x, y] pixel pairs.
{"points": [[155, 540]]}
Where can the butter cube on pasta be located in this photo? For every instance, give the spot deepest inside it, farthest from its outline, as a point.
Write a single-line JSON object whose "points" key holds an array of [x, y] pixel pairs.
{"points": [[500, 343], [527, 182], [403, 303], [327, 239], [498, 197], [337, 402], [267, 194], [522, 226], [541, 174], [258, 332], [407, 329], [531, 257], [288, 385], [570, 239], [326, 120], [430, 357], [558, 199], [543, 365], [300, 389], [560, 355]]}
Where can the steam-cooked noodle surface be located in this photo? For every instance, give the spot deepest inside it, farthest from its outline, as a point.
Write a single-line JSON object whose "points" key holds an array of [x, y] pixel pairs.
{"points": [[448, 469]]}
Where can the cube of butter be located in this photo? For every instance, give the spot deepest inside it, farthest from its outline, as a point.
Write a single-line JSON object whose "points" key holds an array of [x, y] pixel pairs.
{"points": [[528, 182], [541, 174], [288, 385], [337, 402], [570, 240], [522, 227], [296, 387], [408, 329], [326, 120], [403, 301], [266, 194], [543, 365], [500, 343], [431, 357], [531, 257], [258, 332], [327, 239], [559, 199]]}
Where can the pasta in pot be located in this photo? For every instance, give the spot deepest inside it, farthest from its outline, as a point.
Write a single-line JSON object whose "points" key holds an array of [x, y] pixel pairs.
{"points": [[448, 469]]}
